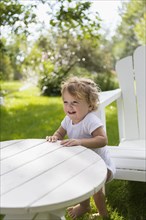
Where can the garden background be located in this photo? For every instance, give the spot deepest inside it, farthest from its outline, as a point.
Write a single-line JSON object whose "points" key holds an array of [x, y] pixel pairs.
{"points": [[71, 43]]}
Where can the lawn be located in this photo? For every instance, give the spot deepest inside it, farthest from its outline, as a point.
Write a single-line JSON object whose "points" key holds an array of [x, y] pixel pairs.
{"points": [[27, 114]]}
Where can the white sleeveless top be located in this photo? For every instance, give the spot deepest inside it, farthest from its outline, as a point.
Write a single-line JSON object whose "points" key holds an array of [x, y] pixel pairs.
{"points": [[84, 129]]}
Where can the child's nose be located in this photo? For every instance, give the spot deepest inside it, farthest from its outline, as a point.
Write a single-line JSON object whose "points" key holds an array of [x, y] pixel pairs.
{"points": [[70, 104]]}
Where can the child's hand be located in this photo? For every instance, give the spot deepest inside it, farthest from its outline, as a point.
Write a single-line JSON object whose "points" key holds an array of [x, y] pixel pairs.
{"points": [[52, 138], [71, 142]]}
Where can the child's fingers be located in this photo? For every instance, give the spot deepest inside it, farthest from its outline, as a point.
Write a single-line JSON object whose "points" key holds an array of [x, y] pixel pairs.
{"points": [[47, 138], [51, 138]]}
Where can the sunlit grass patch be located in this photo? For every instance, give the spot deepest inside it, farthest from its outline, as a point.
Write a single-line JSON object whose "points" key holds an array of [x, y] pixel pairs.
{"points": [[112, 124], [26, 114], [9, 87]]}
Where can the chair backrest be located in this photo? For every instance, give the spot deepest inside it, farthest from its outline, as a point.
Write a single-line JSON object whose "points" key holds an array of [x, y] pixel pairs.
{"points": [[131, 73]]}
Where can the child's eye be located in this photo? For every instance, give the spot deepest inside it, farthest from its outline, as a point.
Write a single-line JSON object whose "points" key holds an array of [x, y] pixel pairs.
{"points": [[74, 102]]}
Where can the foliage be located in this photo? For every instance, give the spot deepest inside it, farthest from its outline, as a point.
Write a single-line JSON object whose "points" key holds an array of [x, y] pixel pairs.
{"points": [[16, 15], [15, 19], [50, 84], [140, 29], [73, 57], [6, 71], [131, 31], [106, 81], [74, 18], [67, 50], [12, 56], [71, 46]]}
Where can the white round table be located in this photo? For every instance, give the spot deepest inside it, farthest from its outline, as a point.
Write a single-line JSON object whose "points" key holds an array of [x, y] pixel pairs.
{"points": [[40, 179]]}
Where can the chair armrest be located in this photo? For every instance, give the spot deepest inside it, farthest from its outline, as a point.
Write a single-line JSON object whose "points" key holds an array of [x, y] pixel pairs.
{"points": [[108, 97]]}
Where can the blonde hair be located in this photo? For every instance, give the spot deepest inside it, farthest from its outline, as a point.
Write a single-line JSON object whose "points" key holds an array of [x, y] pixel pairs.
{"points": [[82, 88]]}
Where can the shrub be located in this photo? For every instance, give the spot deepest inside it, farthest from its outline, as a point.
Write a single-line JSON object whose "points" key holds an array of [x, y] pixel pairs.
{"points": [[106, 81], [50, 85]]}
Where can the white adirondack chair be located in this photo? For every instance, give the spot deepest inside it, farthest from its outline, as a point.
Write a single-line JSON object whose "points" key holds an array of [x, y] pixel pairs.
{"points": [[130, 155]]}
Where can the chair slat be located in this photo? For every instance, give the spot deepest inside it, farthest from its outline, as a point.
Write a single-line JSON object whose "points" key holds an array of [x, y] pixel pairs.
{"points": [[124, 69], [140, 72]]}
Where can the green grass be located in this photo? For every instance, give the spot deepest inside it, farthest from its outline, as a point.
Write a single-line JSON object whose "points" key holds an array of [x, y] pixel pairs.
{"points": [[26, 114]]}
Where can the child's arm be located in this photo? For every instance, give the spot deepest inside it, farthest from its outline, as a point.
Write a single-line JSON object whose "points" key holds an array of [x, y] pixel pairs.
{"points": [[98, 139], [58, 135]]}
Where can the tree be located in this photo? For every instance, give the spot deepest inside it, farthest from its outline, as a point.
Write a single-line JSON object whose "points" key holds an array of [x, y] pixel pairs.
{"points": [[73, 27], [131, 31], [75, 18], [6, 70], [16, 16], [12, 56]]}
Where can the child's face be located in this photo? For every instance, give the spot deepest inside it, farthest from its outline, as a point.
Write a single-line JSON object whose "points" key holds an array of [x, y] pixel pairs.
{"points": [[75, 108]]}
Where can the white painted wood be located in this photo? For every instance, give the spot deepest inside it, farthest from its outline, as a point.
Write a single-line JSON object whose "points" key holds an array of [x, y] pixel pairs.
{"points": [[8, 143], [121, 123], [124, 69], [78, 191], [106, 98], [140, 73], [13, 149], [23, 158], [132, 175], [35, 182], [130, 155]]}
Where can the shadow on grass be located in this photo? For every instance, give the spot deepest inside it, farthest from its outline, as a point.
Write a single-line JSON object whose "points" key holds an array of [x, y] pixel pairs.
{"points": [[128, 198]]}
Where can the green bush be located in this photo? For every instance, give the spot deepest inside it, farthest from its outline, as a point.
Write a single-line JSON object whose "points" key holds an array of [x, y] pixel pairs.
{"points": [[106, 81], [50, 84]]}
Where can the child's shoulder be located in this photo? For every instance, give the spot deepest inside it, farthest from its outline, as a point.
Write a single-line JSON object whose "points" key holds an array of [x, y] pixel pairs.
{"points": [[92, 116], [92, 120]]}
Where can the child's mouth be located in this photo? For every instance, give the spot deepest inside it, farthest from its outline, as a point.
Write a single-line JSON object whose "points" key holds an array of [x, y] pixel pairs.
{"points": [[71, 113]]}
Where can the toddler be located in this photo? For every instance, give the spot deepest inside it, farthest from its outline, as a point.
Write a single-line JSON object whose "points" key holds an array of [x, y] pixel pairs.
{"points": [[82, 126]]}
